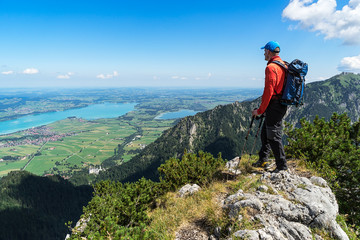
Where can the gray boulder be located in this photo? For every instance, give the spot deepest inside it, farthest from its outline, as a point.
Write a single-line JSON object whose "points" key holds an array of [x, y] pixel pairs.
{"points": [[232, 166], [301, 204], [188, 190]]}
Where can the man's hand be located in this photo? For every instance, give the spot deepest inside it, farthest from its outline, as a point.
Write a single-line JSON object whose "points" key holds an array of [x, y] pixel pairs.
{"points": [[255, 113]]}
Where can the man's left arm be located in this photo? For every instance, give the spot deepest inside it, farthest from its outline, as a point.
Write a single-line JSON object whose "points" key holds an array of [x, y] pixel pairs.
{"points": [[270, 79]]}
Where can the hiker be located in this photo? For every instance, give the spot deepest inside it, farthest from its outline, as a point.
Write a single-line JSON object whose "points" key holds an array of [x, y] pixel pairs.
{"points": [[273, 110]]}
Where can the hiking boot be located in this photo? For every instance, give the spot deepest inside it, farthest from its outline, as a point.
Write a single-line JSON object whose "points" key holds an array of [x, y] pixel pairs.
{"points": [[277, 170], [263, 164]]}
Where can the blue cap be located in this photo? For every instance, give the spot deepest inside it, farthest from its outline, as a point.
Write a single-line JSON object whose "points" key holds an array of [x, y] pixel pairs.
{"points": [[272, 45]]}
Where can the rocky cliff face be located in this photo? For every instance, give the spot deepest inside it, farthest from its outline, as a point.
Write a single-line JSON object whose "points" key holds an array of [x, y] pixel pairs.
{"points": [[284, 206], [287, 206]]}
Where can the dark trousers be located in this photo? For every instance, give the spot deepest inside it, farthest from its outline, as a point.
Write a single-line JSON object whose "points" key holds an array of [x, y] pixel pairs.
{"points": [[271, 134]]}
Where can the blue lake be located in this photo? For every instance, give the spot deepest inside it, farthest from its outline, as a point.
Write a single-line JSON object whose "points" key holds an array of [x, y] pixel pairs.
{"points": [[106, 110], [179, 114]]}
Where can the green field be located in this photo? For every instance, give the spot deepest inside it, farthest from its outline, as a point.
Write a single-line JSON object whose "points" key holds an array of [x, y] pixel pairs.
{"points": [[94, 142], [8, 166]]}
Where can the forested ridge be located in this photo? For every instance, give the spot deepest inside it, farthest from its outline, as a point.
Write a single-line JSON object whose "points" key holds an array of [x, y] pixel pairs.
{"points": [[33, 207]]}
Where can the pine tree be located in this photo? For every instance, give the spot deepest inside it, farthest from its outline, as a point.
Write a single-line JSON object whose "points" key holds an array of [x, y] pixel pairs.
{"points": [[332, 148]]}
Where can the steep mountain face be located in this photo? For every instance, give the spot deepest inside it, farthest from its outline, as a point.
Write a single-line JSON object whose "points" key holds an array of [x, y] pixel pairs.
{"points": [[223, 129]]}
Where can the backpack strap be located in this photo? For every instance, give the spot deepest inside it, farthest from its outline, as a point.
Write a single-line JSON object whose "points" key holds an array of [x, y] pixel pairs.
{"points": [[280, 64], [283, 66]]}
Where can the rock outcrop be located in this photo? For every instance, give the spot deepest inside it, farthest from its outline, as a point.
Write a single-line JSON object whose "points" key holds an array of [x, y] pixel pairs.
{"points": [[188, 189], [286, 206]]}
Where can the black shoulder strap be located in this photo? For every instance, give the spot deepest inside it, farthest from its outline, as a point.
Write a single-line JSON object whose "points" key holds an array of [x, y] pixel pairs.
{"points": [[285, 68], [280, 64]]}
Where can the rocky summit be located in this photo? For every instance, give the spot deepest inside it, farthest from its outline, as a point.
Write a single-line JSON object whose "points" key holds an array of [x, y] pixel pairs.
{"points": [[287, 206]]}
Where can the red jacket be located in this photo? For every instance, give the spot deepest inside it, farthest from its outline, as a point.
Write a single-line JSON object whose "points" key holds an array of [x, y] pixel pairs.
{"points": [[274, 82]]}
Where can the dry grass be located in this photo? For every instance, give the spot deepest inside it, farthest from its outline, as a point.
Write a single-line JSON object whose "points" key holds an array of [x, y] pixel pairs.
{"points": [[245, 164], [299, 167], [202, 209]]}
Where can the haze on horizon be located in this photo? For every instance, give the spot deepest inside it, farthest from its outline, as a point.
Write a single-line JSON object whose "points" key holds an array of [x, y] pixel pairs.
{"points": [[86, 44]]}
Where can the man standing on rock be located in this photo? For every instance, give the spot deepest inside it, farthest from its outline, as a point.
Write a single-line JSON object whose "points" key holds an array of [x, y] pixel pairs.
{"points": [[273, 110]]}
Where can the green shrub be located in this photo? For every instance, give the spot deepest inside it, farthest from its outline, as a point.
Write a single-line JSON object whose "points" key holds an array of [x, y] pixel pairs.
{"points": [[119, 210], [193, 168], [116, 231], [332, 149]]}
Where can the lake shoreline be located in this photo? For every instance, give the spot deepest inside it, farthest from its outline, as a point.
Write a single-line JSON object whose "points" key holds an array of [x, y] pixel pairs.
{"points": [[27, 122], [174, 115], [17, 116]]}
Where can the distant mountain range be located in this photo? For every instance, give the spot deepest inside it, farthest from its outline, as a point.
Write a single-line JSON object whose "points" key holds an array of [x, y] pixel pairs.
{"points": [[223, 128]]}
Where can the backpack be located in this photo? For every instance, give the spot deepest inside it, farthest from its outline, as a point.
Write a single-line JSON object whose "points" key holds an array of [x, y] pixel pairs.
{"points": [[294, 83]]}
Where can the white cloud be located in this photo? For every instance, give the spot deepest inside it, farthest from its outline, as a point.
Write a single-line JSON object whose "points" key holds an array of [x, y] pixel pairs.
{"points": [[31, 71], [179, 77], [7, 73], [65, 76], [103, 76], [204, 77], [350, 64], [108, 76], [321, 16]]}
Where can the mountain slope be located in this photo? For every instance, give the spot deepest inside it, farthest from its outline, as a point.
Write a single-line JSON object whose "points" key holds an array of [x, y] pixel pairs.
{"points": [[339, 94], [223, 129], [33, 207]]}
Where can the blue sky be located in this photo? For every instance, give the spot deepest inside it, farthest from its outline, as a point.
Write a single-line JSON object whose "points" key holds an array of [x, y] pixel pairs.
{"points": [[171, 43]]}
